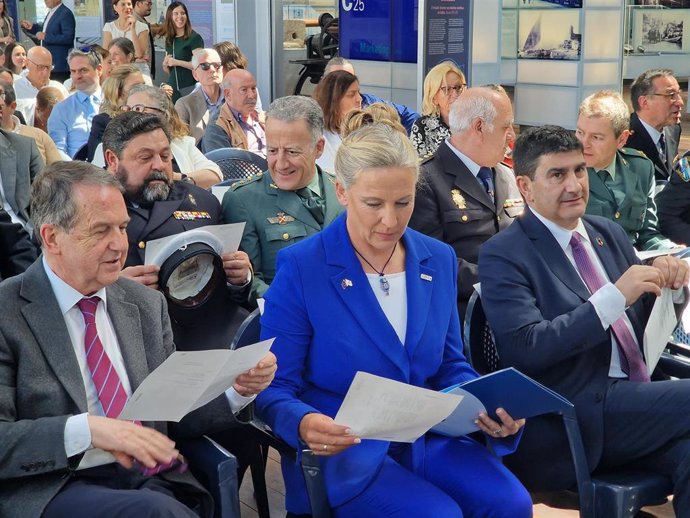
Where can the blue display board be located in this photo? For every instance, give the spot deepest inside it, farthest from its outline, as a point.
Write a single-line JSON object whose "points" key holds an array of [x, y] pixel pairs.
{"points": [[378, 30], [448, 33]]}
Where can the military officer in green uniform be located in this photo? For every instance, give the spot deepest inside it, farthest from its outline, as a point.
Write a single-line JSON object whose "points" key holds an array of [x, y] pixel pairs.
{"points": [[621, 180], [293, 199]]}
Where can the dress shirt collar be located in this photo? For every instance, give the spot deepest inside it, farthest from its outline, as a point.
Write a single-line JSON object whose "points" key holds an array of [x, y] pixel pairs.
{"points": [[16, 124], [611, 168], [83, 96], [560, 234], [471, 164], [210, 104], [653, 132], [243, 118], [66, 295], [313, 186]]}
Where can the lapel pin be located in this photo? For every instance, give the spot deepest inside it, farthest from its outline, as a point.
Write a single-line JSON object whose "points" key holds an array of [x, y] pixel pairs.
{"points": [[426, 277], [600, 241], [347, 283]]}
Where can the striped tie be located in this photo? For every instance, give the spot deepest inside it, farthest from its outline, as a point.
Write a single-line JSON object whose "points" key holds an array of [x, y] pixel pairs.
{"points": [[111, 393]]}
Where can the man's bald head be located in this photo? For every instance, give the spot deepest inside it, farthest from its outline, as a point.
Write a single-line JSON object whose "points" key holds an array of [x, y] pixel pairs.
{"points": [[239, 89], [39, 64], [38, 53]]}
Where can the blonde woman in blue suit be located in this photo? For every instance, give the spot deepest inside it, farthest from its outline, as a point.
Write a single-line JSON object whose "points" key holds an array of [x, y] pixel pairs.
{"points": [[369, 294]]}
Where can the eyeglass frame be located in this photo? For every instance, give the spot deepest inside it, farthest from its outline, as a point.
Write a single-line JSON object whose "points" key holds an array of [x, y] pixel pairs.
{"points": [[457, 88], [670, 96], [208, 64], [144, 107], [42, 67]]}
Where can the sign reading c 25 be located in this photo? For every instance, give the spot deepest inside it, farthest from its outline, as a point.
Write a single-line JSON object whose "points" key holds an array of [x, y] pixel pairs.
{"points": [[356, 5]]}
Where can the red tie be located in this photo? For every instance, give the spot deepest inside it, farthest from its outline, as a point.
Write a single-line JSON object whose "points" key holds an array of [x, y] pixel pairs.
{"points": [[631, 358], [111, 393]]}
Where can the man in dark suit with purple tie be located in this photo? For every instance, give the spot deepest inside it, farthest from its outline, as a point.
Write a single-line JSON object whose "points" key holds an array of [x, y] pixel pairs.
{"points": [[568, 300]]}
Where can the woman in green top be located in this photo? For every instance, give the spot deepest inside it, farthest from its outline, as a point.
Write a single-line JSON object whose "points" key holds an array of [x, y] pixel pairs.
{"points": [[180, 42]]}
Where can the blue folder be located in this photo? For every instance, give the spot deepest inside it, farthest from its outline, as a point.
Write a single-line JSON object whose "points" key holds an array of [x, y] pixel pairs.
{"points": [[519, 395]]}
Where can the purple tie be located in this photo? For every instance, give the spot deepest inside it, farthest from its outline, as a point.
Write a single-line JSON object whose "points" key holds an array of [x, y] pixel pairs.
{"points": [[111, 393], [631, 358]]}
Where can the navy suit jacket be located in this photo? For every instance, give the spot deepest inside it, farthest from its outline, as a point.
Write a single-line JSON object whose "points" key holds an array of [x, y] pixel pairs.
{"points": [[59, 38], [327, 329], [544, 326]]}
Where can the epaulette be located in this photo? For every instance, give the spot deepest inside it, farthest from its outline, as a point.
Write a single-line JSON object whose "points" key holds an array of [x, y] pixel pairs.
{"points": [[633, 152], [426, 158], [246, 181]]}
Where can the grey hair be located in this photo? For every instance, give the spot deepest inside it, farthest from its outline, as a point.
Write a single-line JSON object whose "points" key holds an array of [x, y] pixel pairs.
{"points": [[156, 94], [467, 108], [294, 108], [123, 128], [335, 62], [196, 57], [374, 146], [609, 105], [52, 192], [92, 56], [643, 84]]}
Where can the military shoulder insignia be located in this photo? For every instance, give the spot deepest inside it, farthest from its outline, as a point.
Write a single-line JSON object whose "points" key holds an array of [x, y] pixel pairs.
{"points": [[280, 219], [513, 202], [191, 199], [458, 199], [426, 158], [190, 215], [246, 181], [683, 169]]}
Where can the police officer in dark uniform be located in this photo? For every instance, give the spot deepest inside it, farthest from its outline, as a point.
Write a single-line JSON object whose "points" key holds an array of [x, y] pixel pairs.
{"points": [[465, 194], [294, 198], [137, 151]]}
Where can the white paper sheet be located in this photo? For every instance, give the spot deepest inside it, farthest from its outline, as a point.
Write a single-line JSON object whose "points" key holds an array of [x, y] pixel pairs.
{"points": [[387, 410], [650, 254], [190, 379], [660, 326]]}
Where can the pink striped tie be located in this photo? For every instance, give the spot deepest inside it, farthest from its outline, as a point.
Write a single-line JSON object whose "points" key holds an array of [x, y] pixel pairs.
{"points": [[111, 393], [631, 357]]}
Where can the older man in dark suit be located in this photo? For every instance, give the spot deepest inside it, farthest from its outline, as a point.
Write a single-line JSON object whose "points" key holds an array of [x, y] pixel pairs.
{"points": [[568, 302], [655, 124], [75, 342], [466, 194]]}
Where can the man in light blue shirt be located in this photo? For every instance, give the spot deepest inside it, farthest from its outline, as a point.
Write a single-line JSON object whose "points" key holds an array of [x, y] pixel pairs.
{"points": [[69, 124]]}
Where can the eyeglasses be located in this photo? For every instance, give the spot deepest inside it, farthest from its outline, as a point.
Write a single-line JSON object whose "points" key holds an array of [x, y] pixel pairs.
{"points": [[141, 108], [457, 89], [671, 96], [39, 66], [207, 66], [2, 96]]}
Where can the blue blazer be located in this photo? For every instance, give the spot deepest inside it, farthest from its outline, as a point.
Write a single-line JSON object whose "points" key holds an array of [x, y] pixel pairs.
{"points": [[59, 38], [544, 326], [326, 330]]}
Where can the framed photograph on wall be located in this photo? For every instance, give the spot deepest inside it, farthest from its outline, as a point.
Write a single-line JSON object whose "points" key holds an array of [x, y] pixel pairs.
{"points": [[661, 30], [549, 34]]}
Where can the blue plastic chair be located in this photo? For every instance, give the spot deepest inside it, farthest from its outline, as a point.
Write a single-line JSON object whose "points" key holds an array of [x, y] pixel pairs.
{"points": [[249, 333], [216, 469], [619, 494], [237, 164]]}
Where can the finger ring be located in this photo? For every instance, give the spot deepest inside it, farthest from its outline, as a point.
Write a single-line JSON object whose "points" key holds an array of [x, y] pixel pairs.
{"points": [[325, 447], [498, 431]]}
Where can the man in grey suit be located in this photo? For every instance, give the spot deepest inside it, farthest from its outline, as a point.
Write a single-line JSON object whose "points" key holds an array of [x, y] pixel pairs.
{"points": [[75, 342], [21, 162], [203, 104]]}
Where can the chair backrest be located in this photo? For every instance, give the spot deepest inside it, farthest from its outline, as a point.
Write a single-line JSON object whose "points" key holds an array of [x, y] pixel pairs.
{"points": [[237, 164], [479, 343]]}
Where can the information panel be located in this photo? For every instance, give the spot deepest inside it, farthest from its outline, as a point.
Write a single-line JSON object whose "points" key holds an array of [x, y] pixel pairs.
{"points": [[448, 26]]}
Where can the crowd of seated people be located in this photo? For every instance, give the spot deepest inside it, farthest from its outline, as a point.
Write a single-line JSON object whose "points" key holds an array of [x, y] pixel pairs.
{"points": [[365, 234]]}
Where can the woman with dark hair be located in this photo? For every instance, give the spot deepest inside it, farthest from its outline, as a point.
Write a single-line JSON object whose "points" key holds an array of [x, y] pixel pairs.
{"points": [[127, 26], [180, 42], [121, 52], [337, 94], [15, 58], [231, 56], [6, 27]]}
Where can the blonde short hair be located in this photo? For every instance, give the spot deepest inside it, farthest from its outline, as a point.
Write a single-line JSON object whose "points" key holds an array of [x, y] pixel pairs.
{"points": [[432, 83], [374, 146], [608, 105], [377, 112]]}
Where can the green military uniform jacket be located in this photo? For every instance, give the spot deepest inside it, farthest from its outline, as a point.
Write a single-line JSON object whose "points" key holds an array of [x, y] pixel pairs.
{"points": [[274, 219], [630, 202]]}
